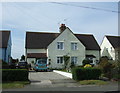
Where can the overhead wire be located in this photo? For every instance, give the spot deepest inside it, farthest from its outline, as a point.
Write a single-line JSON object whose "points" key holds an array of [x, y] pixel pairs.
{"points": [[87, 7], [29, 15]]}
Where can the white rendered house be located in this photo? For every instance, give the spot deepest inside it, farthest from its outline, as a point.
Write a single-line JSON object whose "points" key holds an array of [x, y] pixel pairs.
{"points": [[53, 46], [110, 47]]}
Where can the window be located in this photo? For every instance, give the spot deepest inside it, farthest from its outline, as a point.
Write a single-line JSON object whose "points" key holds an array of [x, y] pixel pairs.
{"points": [[74, 46], [60, 45], [74, 60], [59, 60]]}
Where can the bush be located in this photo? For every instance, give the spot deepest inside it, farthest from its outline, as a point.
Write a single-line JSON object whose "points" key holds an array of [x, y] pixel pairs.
{"points": [[14, 75], [116, 71], [87, 66], [5, 65], [86, 61], [86, 73], [106, 67]]}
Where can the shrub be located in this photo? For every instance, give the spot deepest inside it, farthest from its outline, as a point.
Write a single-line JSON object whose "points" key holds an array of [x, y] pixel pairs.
{"points": [[87, 66], [106, 67], [5, 65], [116, 70], [86, 61], [86, 73], [14, 75]]}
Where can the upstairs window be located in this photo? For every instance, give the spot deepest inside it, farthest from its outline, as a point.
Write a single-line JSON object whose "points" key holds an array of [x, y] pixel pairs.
{"points": [[74, 46], [60, 45], [74, 60], [59, 60]]}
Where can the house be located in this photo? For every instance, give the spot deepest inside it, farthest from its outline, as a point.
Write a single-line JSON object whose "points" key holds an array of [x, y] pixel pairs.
{"points": [[5, 46], [110, 47], [54, 46]]}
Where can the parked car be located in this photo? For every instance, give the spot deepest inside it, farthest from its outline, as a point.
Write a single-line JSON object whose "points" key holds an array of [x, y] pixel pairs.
{"points": [[41, 65], [22, 65]]}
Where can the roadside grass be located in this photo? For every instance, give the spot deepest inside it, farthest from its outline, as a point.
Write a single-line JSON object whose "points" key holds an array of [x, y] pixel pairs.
{"points": [[93, 82], [64, 70], [15, 84]]}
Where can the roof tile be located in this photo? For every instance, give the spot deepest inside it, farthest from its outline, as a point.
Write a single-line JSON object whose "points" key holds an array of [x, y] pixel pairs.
{"points": [[4, 37], [114, 40], [38, 40]]}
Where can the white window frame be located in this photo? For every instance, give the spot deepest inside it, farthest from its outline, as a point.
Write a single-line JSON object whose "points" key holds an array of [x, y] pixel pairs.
{"points": [[74, 46], [59, 60], [60, 45], [74, 59]]}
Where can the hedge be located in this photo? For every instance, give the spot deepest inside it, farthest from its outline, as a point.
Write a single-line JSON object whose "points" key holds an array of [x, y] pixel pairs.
{"points": [[15, 75], [86, 73]]}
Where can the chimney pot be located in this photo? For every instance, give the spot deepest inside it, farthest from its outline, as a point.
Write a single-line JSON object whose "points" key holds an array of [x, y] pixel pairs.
{"points": [[62, 27]]}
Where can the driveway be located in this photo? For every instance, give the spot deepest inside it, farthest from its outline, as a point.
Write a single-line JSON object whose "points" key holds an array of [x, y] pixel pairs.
{"points": [[51, 81]]}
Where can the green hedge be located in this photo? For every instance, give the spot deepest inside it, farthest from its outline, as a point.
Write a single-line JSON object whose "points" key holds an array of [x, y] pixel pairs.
{"points": [[14, 75], [85, 73]]}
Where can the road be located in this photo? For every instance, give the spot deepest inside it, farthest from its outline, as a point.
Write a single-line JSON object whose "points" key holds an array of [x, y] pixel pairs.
{"points": [[51, 81]]}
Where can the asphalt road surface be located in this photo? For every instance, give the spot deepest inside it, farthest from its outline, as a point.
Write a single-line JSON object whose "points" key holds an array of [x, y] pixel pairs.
{"points": [[51, 81]]}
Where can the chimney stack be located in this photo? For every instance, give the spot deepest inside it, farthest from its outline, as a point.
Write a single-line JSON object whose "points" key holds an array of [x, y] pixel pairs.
{"points": [[62, 28]]}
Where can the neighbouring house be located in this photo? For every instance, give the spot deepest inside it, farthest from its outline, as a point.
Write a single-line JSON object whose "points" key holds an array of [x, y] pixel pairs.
{"points": [[110, 47], [5, 46], [54, 46]]}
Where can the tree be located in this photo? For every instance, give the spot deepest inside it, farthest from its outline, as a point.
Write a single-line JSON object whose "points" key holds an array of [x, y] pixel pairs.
{"points": [[106, 67], [66, 60], [68, 65], [22, 58]]}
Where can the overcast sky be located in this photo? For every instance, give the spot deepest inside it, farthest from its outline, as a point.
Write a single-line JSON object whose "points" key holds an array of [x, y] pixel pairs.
{"points": [[20, 17]]}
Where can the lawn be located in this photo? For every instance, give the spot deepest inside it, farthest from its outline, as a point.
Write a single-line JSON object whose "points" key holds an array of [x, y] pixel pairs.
{"points": [[15, 84], [93, 82]]}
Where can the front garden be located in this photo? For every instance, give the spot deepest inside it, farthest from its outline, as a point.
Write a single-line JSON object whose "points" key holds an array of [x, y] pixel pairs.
{"points": [[13, 78], [100, 74]]}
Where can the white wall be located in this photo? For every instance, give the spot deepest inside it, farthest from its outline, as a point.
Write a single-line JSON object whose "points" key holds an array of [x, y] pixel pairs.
{"points": [[36, 51], [67, 37], [29, 60], [107, 49]]}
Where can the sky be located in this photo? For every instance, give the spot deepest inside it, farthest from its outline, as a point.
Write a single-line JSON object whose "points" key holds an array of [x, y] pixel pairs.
{"points": [[20, 17]]}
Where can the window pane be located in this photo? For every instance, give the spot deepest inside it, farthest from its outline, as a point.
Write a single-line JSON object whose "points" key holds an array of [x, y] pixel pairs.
{"points": [[74, 60], [74, 46], [60, 45], [59, 59]]}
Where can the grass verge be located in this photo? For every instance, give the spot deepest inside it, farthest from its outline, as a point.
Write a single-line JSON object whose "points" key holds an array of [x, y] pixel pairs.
{"points": [[15, 84], [93, 82]]}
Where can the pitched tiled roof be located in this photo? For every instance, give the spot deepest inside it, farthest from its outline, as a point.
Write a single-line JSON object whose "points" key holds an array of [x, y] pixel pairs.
{"points": [[4, 37], [38, 40], [114, 40], [88, 41]]}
